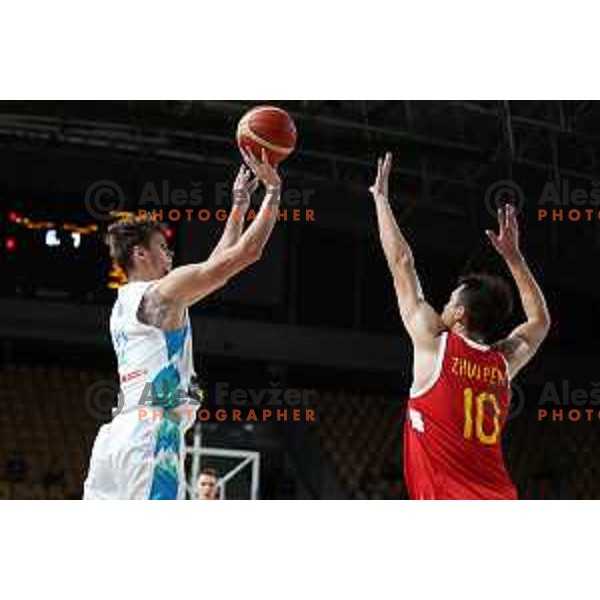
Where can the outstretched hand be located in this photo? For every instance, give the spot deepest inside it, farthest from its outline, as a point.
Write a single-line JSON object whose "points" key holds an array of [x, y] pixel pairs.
{"points": [[381, 185], [243, 188], [506, 241], [262, 169]]}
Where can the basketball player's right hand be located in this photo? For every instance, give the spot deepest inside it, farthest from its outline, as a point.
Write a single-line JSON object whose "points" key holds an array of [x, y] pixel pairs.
{"points": [[381, 185], [263, 171]]}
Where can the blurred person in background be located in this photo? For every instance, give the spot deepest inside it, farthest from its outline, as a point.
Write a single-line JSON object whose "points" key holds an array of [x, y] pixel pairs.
{"points": [[207, 487]]}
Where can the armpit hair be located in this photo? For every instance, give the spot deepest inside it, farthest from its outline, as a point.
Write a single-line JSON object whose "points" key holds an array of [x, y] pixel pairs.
{"points": [[508, 346], [153, 308]]}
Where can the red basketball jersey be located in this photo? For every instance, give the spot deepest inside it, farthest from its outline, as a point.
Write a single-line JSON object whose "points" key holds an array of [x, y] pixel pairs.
{"points": [[453, 429]]}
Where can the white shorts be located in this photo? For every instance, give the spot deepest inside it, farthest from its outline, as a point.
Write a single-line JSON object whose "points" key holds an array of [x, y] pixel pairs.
{"points": [[135, 459]]}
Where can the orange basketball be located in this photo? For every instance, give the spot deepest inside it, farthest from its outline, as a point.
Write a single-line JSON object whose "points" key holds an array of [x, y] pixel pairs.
{"points": [[270, 128]]}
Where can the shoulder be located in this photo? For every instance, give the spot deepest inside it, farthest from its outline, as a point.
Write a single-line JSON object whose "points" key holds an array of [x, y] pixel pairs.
{"points": [[433, 345], [158, 310], [508, 346], [132, 292]]}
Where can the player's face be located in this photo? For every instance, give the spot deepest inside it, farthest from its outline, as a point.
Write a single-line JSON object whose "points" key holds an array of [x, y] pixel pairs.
{"points": [[159, 256], [207, 487], [454, 311]]}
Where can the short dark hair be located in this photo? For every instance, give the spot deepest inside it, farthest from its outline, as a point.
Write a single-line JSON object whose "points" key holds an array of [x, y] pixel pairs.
{"points": [[488, 303], [124, 235], [209, 471]]}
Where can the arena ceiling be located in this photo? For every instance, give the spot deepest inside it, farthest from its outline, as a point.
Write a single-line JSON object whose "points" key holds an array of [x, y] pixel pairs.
{"points": [[448, 150]]}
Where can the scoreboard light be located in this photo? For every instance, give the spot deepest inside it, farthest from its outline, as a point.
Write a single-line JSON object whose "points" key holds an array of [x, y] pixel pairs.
{"points": [[52, 238], [62, 241]]}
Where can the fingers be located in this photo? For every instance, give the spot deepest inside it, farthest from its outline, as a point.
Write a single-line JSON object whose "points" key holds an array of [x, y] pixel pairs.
{"points": [[384, 167], [492, 237], [253, 185], [264, 157], [243, 177], [387, 164], [512, 217], [244, 174], [245, 156], [501, 220], [263, 170], [250, 159], [507, 218], [379, 173]]}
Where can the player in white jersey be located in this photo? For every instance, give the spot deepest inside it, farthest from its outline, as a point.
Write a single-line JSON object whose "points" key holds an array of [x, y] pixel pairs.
{"points": [[140, 454]]}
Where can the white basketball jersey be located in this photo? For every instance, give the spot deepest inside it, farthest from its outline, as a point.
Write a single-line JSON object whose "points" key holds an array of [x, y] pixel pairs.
{"points": [[139, 456], [150, 360]]}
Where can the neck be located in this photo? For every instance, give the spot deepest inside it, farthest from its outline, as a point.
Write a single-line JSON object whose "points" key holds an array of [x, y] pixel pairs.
{"points": [[138, 275], [460, 329]]}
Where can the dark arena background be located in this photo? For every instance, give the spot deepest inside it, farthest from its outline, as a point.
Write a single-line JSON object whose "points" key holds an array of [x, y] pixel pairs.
{"points": [[316, 318]]}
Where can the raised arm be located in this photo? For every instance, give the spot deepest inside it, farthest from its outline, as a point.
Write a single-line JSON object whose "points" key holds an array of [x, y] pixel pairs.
{"points": [[189, 284], [243, 188], [421, 321], [523, 342]]}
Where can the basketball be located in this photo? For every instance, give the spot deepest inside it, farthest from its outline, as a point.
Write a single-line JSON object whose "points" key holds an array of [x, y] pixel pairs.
{"points": [[270, 128]]}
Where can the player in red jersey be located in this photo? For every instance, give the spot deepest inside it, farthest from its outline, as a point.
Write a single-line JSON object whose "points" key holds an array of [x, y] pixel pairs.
{"points": [[459, 396]]}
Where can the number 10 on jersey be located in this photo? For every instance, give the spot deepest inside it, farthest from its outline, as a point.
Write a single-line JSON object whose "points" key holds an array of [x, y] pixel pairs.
{"points": [[475, 415]]}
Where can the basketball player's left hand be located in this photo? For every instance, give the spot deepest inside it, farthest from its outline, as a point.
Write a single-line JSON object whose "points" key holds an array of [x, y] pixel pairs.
{"points": [[506, 241], [243, 187]]}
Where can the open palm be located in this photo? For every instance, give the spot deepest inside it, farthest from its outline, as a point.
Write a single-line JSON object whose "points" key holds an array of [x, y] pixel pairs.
{"points": [[506, 241], [381, 185]]}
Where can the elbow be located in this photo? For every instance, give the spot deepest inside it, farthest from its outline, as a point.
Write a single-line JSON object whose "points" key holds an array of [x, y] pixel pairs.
{"points": [[401, 266], [234, 260], [544, 322], [547, 323], [546, 319]]}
